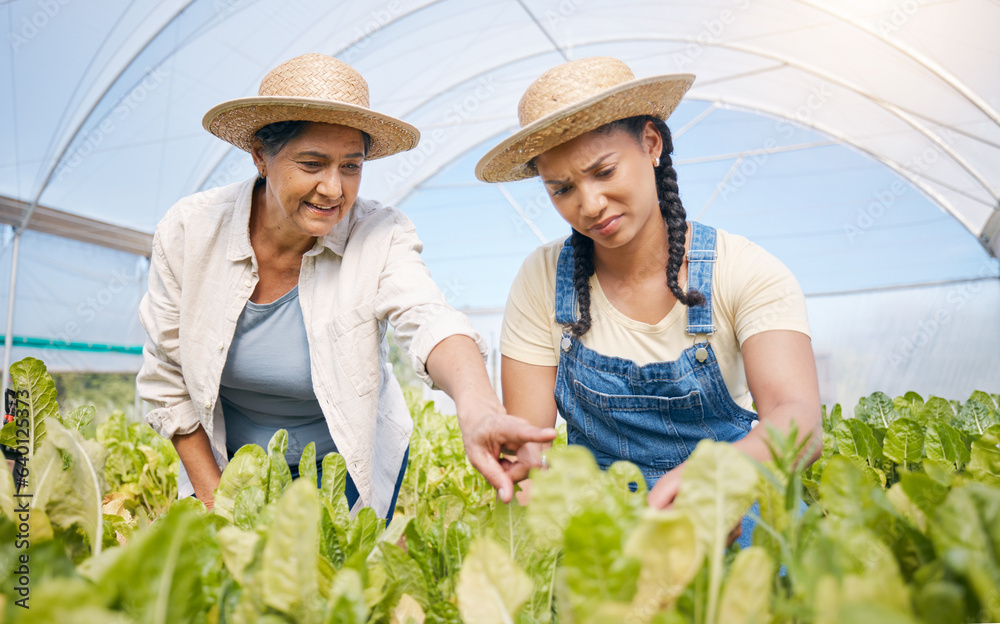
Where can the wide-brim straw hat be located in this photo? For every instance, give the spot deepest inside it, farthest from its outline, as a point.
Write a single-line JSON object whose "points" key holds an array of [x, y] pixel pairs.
{"points": [[572, 99], [311, 87]]}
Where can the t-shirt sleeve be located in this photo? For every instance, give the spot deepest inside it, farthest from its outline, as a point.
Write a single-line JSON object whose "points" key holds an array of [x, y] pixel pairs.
{"points": [[763, 295], [528, 319]]}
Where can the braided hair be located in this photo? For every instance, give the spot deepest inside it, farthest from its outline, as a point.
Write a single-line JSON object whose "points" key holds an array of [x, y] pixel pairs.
{"points": [[671, 209]]}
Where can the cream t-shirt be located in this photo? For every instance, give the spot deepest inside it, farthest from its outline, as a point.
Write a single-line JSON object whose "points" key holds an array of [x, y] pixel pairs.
{"points": [[752, 292]]}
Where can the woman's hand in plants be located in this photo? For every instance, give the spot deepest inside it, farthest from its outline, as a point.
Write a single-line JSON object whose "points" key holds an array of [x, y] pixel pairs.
{"points": [[487, 429], [486, 436], [518, 464], [665, 490]]}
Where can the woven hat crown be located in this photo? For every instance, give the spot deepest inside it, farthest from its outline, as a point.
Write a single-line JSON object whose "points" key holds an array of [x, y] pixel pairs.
{"points": [[316, 76], [311, 87], [569, 83]]}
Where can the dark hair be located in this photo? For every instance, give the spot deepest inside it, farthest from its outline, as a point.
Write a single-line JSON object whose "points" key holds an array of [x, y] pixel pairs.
{"points": [[674, 217], [274, 137]]}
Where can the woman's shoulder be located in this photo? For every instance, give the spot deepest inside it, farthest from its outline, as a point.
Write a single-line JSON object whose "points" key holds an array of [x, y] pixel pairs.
{"points": [[371, 214], [546, 255], [539, 267], [737, 253], [203, 208], [751, 284]]}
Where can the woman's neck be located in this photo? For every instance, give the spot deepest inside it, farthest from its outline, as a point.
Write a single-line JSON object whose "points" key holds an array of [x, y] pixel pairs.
{"points": [[267, 236], [646, 254]]}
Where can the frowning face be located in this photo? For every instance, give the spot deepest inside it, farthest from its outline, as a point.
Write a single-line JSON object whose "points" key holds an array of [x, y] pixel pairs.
{"points": [[603, 184]]}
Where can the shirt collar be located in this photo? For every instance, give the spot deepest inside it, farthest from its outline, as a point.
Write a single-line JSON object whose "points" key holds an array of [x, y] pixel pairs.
{"points": [[239, 234]]}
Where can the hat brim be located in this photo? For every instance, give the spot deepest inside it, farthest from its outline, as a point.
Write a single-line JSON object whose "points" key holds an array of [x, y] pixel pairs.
{"points": [[236, 121], [511, 159]]}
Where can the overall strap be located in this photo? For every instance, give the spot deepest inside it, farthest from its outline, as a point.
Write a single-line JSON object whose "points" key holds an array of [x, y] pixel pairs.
{"points": [[565, 293], [701, 262]]}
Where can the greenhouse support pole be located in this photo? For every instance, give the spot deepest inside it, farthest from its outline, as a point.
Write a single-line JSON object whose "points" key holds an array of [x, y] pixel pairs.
{"points": [[8, 340]]}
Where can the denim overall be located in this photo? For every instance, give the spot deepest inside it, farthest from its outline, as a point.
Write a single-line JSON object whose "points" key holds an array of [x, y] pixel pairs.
{"points": [[652, 415]]}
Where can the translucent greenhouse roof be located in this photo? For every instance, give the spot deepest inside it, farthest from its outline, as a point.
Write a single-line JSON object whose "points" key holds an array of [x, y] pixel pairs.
{"points": [[857, 140]]}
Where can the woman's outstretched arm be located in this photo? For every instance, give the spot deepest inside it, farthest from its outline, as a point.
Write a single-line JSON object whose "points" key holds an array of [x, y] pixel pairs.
{"points": [[456, 366]]}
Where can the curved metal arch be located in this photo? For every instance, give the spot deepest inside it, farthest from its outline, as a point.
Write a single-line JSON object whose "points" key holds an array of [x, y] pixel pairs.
{"points": [[939, 71], [83, 121], [917, 182], [211, 170], [890, 108]]}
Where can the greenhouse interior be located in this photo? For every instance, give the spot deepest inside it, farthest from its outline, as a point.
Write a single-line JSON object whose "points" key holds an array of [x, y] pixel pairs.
{"points": [[859, 142], [856, 141]]}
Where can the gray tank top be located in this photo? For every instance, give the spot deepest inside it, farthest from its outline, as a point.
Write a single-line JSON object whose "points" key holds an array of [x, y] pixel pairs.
{"points": [[267, 382]]}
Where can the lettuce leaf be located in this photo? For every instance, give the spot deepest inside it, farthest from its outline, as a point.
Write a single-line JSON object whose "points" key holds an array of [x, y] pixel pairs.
{"points": [[36, 402], [984, 465], [247, 469], [491, 587], [289, 572], [717, 490], [904, 441], [670, 555], [67, 475], [746, 597]]}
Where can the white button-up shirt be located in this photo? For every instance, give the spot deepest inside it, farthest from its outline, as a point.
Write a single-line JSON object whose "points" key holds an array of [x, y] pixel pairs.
{"points": [[365, 273]]}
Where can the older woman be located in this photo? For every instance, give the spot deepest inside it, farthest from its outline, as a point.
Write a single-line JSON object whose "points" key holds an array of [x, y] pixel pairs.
{"points": [[268, 300], [600, 328]]}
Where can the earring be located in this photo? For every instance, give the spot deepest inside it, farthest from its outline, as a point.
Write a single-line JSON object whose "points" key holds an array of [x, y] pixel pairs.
{"points": [[261, 176], [656, 162]]}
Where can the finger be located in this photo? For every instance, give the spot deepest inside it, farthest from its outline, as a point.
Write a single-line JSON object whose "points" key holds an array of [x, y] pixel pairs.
{"points": [[518, 471], [663, 493], [490, 468], [521, 432], [530, 454]]}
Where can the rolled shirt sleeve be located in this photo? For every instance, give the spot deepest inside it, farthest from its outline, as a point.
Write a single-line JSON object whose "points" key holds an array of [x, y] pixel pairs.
{"points": [[160, 380]]}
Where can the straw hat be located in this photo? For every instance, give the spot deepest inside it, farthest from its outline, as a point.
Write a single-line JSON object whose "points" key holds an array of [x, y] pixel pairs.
{"points": [[572, 99], [311, 87]]}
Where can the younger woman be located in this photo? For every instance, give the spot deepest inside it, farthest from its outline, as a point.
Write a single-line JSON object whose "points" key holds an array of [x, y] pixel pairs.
{"points": [[646, 332]]}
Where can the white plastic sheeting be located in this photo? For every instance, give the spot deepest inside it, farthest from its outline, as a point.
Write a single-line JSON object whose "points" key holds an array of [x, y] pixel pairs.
{"points": [[858, 140]]}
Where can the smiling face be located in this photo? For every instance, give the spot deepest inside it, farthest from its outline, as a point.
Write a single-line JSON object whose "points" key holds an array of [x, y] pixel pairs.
{"points": [[603, 184], [312, 181]]}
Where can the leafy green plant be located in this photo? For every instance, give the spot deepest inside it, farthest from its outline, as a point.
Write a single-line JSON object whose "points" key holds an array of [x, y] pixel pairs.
{"points": [[896, 522]]}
